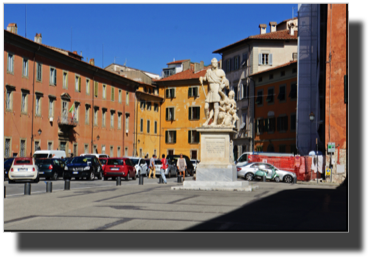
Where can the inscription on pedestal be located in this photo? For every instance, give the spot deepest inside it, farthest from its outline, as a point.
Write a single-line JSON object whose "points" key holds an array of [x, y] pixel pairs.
{"points": [[215, 147]]}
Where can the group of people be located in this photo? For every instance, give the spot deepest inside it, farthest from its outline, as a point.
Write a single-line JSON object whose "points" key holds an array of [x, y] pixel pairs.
{"points": [[181, 165]]}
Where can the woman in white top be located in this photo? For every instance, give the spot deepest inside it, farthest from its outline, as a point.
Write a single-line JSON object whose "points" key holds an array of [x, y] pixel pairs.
{"points": [[181, 165]]}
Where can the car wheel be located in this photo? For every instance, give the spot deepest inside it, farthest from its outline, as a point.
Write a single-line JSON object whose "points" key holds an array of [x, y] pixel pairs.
{"points": [[127, 178], [10, 181], [277, 179], [91, 177], [288, 179], [134, 177], [249, 177], [55, 176], [47, 178]]}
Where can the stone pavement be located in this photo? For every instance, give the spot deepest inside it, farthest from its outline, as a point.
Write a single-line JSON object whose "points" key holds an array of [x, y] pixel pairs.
{"points": [[273, 206]]}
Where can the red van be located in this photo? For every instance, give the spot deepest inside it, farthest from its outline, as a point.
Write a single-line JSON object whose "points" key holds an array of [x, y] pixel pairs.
{"points": [[116, 167]]}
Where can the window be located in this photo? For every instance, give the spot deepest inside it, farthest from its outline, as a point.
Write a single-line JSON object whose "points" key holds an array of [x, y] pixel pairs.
{"points": [[10, 63], [7, 148], [282, 93], [194, 154], [111, 151], [39, 72], [259, 98], [169, 72], [112, 94], [170, 93], [282, 148], [85, 148], [25, 67], [244, 91], [170, 152], [127, 98], [260, 79], [104, 91], [37, 145], [193, 137], [271, 124], [8, 99], [293, 122], [87, 120], [119, 95], [170, 137], [119, 120], [96, 117], [127, 122], [95, 149], [103, 149], [142, 104], [53, 77], [38, 104], [228, 65], [270, 76], [77, 83], [282, 123], [259, 148], [156, 107], [265, 59], [75, 150], [270, 96], [87, 86], [96, 84], [22, 148], [236, 92], [76, 111], [141, 152], [236, 62], [51, 107], [194, 113], [149, 106], [65, 80], [283, 73], [148, 126], [244, 60], [104, 114], [118, 151], [170, 114], [293, 91], [259, 126], [294, 70], [141, 125], [293, 149], [193, 92], [24, 102], [50, 145], [155, 127], [64, 110], [112, 118], [125, 151]]}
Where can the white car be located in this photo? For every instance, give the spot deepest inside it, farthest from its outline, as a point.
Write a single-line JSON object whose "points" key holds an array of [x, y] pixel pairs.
{"points": [[95, 154], [141, 165], [23, 170], [195, 162]]}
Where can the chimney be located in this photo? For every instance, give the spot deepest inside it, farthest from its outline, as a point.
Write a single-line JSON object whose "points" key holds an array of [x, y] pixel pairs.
{"points": [[273, 26], [92, 61], [263, 28], [12, 27], [202, 65], [38, 38], [291, 29], [75, 52]]}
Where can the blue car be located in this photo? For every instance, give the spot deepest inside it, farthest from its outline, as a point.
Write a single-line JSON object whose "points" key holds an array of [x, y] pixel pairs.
{"points": [[87, 167], [7, 165]]}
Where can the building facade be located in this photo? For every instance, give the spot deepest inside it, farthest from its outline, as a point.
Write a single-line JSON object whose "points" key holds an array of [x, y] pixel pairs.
{"points": [[54, 100], [252, 55], [275, 97]]}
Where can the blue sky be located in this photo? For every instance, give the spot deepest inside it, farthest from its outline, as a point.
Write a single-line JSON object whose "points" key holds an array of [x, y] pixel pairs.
{"points": [[146, 36]]}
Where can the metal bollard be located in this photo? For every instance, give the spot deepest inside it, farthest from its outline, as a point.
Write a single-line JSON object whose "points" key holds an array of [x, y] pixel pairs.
{"points": [[179, 179], [118, 181], [27, 189], [295, 180], [141, 180], [264, 178], [5, 192], [49, 187], [160, 181], [67, 184]]}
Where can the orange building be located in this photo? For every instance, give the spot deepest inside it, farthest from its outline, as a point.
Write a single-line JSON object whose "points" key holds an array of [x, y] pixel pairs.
{"points": [[182, 112], [275, 102], [54, 100]]}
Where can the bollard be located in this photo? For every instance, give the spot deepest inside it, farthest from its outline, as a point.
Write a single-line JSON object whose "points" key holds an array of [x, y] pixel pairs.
{"points": [[160, 181], [179, 179], [118, 181], [295, 180], [5, 192], [141, 180], [264, 178], [67, 184], [49, 187], [27, 189]]}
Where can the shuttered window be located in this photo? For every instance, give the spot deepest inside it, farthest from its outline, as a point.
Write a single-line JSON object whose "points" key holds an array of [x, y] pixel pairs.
{"points": [[193, 92], [282, 93], [270, 96], [39, 72], [282, 123], [259, 98], [194, 113], [96, 84], [112, 94], [293, 91], [170, 137], [53, 76], [170, 93], [169, 114], [193, 137]]}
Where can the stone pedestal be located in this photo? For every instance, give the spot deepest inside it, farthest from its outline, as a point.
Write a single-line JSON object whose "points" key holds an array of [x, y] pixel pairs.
{"points": [[217, 170]]}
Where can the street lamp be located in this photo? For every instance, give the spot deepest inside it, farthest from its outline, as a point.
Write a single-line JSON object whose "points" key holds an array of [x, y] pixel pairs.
{"points": [[311, 116]]}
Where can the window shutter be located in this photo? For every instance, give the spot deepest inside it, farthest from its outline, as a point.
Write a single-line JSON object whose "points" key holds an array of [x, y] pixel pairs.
{"points": [[197, 137], [189, 92], [260, 58], [190, 113], [175, 137], [278, 123], [196, 92], [80, 83], [167, 114], [274, 124], [167, 93], [166, 136], [238, 62], [270, 59], [173, 92], [189, 136], [55, 77]]}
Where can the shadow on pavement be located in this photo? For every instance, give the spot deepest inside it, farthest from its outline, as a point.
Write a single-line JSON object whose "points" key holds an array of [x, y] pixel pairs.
{"points": [[289, 210]]}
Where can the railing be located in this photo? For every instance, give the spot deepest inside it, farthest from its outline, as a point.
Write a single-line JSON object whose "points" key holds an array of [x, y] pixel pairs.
{"points": [[67, 120]]}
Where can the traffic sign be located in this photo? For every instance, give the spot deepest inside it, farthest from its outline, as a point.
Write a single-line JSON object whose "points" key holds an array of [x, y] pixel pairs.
{"points": [[330, 147]]}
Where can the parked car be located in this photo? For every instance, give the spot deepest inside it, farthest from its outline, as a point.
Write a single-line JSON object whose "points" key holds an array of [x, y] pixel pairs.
{"points": [[195, 163], [169, 172], [49, 154], [23, 170], [243, 159], [103, 162], [7, 165], [87, 167], [50, 168], [141, 165], [253, 171], [172, 160], [67, 160], [119, 167], [95, 154]]}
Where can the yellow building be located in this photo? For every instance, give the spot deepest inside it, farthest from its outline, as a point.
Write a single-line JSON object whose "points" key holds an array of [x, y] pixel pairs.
{"points": [[148, 123], [182, 112]]}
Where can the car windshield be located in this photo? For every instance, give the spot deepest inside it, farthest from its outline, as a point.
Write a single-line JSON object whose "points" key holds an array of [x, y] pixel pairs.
{"points": [[103, 161], [68, 160], [43, 161], [41, 155], [81, 160], [115, 162], [135, 161], [23, 162]]}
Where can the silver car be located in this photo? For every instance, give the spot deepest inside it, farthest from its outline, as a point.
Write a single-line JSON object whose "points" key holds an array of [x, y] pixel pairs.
{"points": [[169, 172], [248, 171], [141, 165]]}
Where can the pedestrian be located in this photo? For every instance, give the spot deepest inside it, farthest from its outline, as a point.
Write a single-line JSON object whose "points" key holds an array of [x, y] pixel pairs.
{"points": [[181, 165], [152, 168], [164, 165]]}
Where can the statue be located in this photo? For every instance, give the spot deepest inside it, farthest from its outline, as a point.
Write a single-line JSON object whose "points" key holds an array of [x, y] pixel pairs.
{"points": [[218, 106]]}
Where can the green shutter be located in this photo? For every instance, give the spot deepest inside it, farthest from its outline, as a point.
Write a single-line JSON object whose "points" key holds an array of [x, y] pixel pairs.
{"points": [[196, 92], [112, 94], [189, 92], [166, 136], [190, 113], [172, 93], [167, 93], [175, 137], [197, 137], [189, 136], [80, 84], [55, 77]]}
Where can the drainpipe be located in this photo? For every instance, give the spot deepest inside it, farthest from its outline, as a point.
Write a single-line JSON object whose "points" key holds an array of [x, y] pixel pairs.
{"points": [[93, 110], [34, 68], [136, 111]]}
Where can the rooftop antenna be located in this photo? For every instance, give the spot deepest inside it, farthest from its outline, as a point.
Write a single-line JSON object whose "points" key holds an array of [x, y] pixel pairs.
{"points": [[125, 62]]}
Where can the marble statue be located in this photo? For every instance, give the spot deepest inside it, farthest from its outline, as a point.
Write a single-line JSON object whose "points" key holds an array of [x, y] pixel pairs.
{"points": [[218, 106]]}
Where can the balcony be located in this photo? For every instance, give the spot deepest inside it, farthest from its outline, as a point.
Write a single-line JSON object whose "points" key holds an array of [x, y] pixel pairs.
{"points": [[67, 121]]}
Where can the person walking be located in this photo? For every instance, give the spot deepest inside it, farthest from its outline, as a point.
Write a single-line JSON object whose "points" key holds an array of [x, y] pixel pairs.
{"points": [[181, 165], [152, 168], [163, 167]]}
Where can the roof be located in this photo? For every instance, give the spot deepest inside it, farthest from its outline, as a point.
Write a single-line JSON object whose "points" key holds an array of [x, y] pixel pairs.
{"points": [[68, 52], [280, 66], [287, 20], [184, 75], [178, 62], [277, 35]]}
